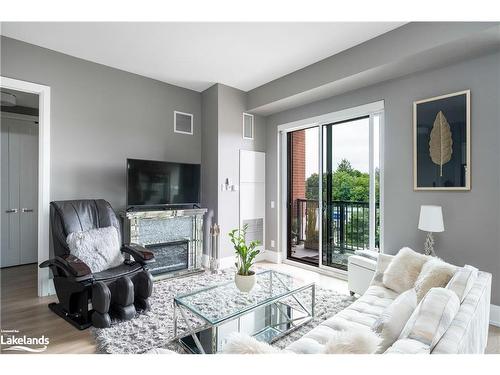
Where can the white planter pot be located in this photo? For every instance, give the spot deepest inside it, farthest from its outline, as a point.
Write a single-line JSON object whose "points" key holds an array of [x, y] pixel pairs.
{"points": [[244, 283]]}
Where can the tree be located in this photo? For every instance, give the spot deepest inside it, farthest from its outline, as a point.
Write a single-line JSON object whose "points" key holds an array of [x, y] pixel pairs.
{"points": [[349, 185]]}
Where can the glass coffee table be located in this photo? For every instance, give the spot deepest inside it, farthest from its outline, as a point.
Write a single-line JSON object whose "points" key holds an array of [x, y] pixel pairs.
{"points": [[277, 304]]}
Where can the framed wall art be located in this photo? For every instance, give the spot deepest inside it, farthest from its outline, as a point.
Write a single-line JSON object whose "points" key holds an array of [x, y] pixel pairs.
{"points": [[441, 142]]}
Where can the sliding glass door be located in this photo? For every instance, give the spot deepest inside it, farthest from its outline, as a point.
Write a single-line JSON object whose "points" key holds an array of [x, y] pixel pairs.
{"points": [[302, 200], [350, 189], [333, 190]]}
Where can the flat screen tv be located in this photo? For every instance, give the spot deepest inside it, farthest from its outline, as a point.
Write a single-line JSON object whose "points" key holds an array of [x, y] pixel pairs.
{"points": [[158, 183]]}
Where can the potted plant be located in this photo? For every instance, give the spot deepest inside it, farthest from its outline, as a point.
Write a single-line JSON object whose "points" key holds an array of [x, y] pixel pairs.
{"points": [[245, 256]]}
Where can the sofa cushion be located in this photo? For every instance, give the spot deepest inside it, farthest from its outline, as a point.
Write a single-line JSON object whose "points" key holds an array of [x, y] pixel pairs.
{"points": [[435, 274], [360, 314], [408, 346], [462, 281], [98, 248], [403, 270], [432, 317], [393, 319]]}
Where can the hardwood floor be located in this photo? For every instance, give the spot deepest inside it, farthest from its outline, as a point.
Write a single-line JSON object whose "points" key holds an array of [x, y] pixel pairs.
{"points": [[21, 309]]}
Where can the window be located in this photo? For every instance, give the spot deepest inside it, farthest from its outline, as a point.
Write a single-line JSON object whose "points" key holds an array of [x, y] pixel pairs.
{"points": [[183, 122]]}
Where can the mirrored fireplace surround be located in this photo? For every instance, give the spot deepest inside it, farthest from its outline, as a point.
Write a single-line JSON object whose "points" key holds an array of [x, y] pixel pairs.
{"points": [[174, 236]]}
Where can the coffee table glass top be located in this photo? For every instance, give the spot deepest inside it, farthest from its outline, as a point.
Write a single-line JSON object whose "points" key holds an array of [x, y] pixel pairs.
{"points": [[224, 301]]}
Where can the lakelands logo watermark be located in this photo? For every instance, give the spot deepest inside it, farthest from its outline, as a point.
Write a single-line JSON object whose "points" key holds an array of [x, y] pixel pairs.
{"points": [[12, 340]]}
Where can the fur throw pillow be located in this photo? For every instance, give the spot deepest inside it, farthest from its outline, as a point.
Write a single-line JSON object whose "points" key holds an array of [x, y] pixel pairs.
{"points": [[98, 248], [240, 343], [353, 341], [403, 270], [435, 274]]}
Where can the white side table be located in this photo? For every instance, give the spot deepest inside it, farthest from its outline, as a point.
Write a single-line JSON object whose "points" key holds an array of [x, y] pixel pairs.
{"points": [[360, 271]]}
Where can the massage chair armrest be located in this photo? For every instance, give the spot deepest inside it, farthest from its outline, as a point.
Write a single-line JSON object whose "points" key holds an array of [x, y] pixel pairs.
{"points": [[71, 266], [140, 253]]}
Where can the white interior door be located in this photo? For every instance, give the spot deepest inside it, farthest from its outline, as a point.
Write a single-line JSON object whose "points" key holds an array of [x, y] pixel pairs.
{"points": [[252, 194], [19, 150]]}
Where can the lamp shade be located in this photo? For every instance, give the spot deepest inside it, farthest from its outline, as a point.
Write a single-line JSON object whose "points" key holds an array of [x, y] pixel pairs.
{"points": [[431, 219]]}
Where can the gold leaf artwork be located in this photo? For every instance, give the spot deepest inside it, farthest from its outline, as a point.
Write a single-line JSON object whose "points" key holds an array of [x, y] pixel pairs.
{"points": [[441, 142]]}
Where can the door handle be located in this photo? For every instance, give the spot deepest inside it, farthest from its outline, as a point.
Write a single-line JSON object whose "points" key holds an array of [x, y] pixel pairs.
{"points": [[11, 211], [27, 210]]}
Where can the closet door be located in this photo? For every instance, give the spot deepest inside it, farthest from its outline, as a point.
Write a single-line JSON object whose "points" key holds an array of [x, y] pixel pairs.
{"points": [[10, 194], [28, 191], [19, 151]]}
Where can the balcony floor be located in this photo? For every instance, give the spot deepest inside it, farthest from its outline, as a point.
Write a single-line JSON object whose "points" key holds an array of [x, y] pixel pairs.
{"points": [[300, 252]]}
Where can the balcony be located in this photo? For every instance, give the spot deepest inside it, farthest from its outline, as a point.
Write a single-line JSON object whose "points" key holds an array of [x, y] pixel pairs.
{"points": [[345, 229]]}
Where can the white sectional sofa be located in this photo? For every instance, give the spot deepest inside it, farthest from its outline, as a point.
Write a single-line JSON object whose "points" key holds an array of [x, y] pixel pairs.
{"points": [[467, 333]]}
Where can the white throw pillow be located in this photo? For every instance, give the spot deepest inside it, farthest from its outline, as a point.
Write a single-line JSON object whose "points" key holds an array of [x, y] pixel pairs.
{"points": [[393, 319], [435, 274], [353, 341], [403, 270], [462, 281], [97, 248], [432, 317]]}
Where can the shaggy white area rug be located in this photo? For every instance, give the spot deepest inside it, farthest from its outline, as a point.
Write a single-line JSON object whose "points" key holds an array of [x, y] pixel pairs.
{"points": [[155, 328]]}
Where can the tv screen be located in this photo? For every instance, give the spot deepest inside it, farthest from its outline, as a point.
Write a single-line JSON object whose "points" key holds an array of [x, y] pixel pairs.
{"points": [[154, 183]]}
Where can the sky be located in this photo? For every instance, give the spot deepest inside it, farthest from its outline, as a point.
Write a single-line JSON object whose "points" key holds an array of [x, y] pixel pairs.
{"points": [[350, 141]]}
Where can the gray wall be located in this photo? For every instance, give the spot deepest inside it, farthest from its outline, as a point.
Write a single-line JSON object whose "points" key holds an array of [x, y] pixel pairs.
{"points": [[209, 158], [232, 104], [101, 116], [472, 219]]}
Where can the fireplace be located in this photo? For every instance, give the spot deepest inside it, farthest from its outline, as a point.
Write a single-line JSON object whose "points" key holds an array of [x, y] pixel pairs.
{"points": [[170, 256], [174, 236]]}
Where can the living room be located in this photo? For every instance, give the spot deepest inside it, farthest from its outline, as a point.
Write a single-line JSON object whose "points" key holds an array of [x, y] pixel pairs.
{"points": [[323, 188]]}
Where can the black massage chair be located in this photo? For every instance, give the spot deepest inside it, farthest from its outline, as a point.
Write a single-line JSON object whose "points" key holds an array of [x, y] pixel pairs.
{"points": [[120, 291]]}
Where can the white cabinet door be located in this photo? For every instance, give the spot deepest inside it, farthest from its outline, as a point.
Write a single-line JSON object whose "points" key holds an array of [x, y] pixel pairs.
{"points": [[19, 165]]}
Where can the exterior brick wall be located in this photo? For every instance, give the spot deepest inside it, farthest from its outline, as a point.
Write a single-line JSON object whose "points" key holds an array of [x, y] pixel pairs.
{"points": [[298, 165]]}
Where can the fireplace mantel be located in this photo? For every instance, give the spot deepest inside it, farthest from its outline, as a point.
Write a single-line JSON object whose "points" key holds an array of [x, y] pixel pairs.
{"points": [[164, 232]]}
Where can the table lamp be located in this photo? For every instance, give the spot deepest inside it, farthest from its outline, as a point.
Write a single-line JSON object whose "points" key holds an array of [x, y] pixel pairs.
{"points": [[430, 221]]}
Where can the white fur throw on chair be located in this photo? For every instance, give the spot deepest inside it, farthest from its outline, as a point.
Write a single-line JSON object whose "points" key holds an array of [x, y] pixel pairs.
{"points": [[98, 248]]}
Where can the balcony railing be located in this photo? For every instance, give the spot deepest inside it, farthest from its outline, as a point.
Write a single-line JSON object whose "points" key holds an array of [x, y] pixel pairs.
{"points": [[346, 230]]}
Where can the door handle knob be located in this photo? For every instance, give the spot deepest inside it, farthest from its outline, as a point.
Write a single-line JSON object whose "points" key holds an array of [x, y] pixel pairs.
{"points": [[27, 210], [11, 211]]}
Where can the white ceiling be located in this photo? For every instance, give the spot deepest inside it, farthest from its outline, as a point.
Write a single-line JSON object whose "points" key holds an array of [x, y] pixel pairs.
{"points": [[197, 55]]}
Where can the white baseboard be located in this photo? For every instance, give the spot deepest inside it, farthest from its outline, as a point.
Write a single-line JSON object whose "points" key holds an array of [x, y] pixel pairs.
{"points": [[495, 315], [225, 262], [269, 256]]}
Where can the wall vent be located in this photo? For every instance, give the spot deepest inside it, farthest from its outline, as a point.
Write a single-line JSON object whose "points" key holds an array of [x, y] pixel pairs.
{"points": [[183, 122], [247, 126], [255, 230]]}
